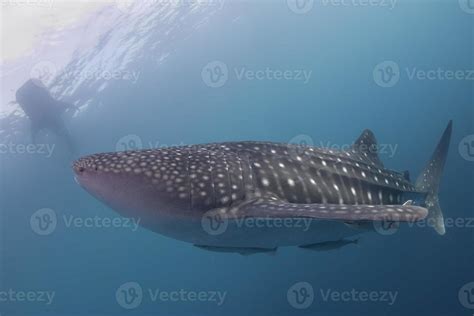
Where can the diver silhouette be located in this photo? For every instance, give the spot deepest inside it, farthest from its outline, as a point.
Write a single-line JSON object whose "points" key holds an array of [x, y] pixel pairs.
{"points": [[44, 111]]}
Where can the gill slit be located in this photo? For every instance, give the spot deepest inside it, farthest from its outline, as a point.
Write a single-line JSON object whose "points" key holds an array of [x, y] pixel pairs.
{"points": [[212, 178], [228, 178], [190, 181], [242, 181]]}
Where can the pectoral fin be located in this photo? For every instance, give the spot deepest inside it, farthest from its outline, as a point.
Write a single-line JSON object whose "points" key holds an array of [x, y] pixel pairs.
{"points": [[271, 207]]}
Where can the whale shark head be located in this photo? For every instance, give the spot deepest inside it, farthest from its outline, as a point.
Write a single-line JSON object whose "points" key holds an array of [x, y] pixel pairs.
{"points": [[145, 184]]}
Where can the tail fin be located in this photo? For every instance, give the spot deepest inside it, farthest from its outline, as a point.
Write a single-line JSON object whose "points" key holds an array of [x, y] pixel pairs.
{"points": [[430, 178]]}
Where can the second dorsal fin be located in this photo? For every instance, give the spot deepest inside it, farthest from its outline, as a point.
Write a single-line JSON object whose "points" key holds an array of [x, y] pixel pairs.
{"points": [[366, 144]]}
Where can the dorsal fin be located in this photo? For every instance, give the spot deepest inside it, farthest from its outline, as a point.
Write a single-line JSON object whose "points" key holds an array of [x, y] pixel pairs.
{"points": [[366, 144]]}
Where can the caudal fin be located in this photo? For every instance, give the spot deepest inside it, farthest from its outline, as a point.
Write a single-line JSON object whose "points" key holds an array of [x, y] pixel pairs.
{"points": [[430, 178]]}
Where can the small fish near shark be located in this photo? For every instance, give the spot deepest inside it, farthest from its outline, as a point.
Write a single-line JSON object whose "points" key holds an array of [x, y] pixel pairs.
{"points": [[246, 251], [331, 245], [249, 197]]}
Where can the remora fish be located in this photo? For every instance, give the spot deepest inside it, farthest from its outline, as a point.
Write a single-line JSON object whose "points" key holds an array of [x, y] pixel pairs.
{"points": [[330, 245], [246, 251], [260, 194]]}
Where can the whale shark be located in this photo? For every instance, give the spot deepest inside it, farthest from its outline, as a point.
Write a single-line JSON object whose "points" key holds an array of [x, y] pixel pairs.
{"points": [[43, 110], [263, 195]]}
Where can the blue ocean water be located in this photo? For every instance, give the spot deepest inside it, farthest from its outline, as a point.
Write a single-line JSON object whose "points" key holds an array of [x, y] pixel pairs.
{"points": [[285, 71]]}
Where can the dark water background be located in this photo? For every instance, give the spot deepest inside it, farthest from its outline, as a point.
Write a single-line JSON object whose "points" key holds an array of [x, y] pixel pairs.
{"points": [[171, 104]]}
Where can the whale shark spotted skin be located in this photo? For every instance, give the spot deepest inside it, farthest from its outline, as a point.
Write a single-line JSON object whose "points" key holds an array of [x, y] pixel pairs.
{"points": [[261, 190]]}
